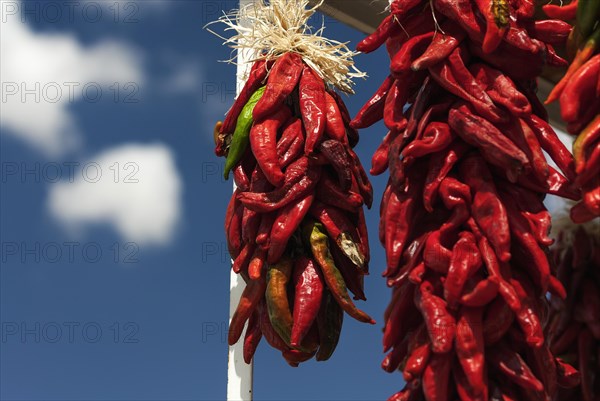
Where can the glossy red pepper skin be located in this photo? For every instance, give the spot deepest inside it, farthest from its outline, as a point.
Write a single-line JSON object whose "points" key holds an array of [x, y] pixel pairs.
{"points": [[465, 262], [470, 347], [436, 377], [251, 297], [263, 141], [441, 325], [307, 297], [565, 13], [284, 226], [334, 122], [513, 367], [487, 208], [442, 44], [252, 337], [282, 80], [377, 38], [337, 155], [495, 147], [372, 111], [312, 108]]}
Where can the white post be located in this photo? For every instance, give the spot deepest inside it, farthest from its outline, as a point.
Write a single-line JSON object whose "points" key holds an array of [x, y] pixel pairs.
{"points": [[239, 374]]}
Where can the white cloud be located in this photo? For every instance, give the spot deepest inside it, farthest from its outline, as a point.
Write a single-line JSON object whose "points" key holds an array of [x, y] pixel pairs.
{"points": [[185, 76], [55, 68], [138, 192]]}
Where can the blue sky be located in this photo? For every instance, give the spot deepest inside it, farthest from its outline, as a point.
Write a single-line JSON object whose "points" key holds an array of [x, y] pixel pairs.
{"points": [[114, 276]]}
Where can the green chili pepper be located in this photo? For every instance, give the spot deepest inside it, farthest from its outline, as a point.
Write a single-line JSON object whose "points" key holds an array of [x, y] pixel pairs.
{"points": [[278, 305], [315, 237], [587, 15], [329, 321], [241, 135]]}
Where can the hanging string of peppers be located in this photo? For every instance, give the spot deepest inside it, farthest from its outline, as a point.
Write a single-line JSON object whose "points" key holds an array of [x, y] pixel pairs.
{"points": [[295, 224], [578, 93], [462, 218]]}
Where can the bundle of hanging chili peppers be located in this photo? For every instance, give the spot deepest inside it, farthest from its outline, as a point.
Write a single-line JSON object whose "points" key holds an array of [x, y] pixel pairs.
{"points": [[462, 218], [295, 225], [579, 95], [573, 330]]}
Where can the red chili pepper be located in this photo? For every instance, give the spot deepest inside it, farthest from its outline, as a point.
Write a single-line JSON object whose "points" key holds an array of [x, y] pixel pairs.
{"points": [[487, 208], [419, 353], [379, 161], [494, 269], [291, 132], [257, 75], [440, 165], [282, 80], [461, 11], [453, 75], [470, 347], [465, 391], [240, 178], [498, 319], [285, 225], [410, 51], [377, 38], [501, 89], [298, 184], [513, 367], [372, 111], [481, 293], [441, 325], [436, 137], [400, 213], [465, 262], [264, 230], [391, 362], [527, 318], [362, 179], [565, 13], [334, 126], [328, 192], [307, 297], [567, 375], [553, 146], [579, 92], [312, 108], [233, 225], [252, 337], [544, 367], [493, 144], [529, 65], [496, 14], [251, 296], [339, 158], [551, 31], [398, 321], [442, 44], [257, 262], [393, 117], [241, 262], [436, 377]]}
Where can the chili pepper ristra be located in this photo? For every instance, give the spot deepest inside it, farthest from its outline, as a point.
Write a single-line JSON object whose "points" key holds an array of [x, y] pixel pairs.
{"points": [[463, 222], [295, 225]]}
